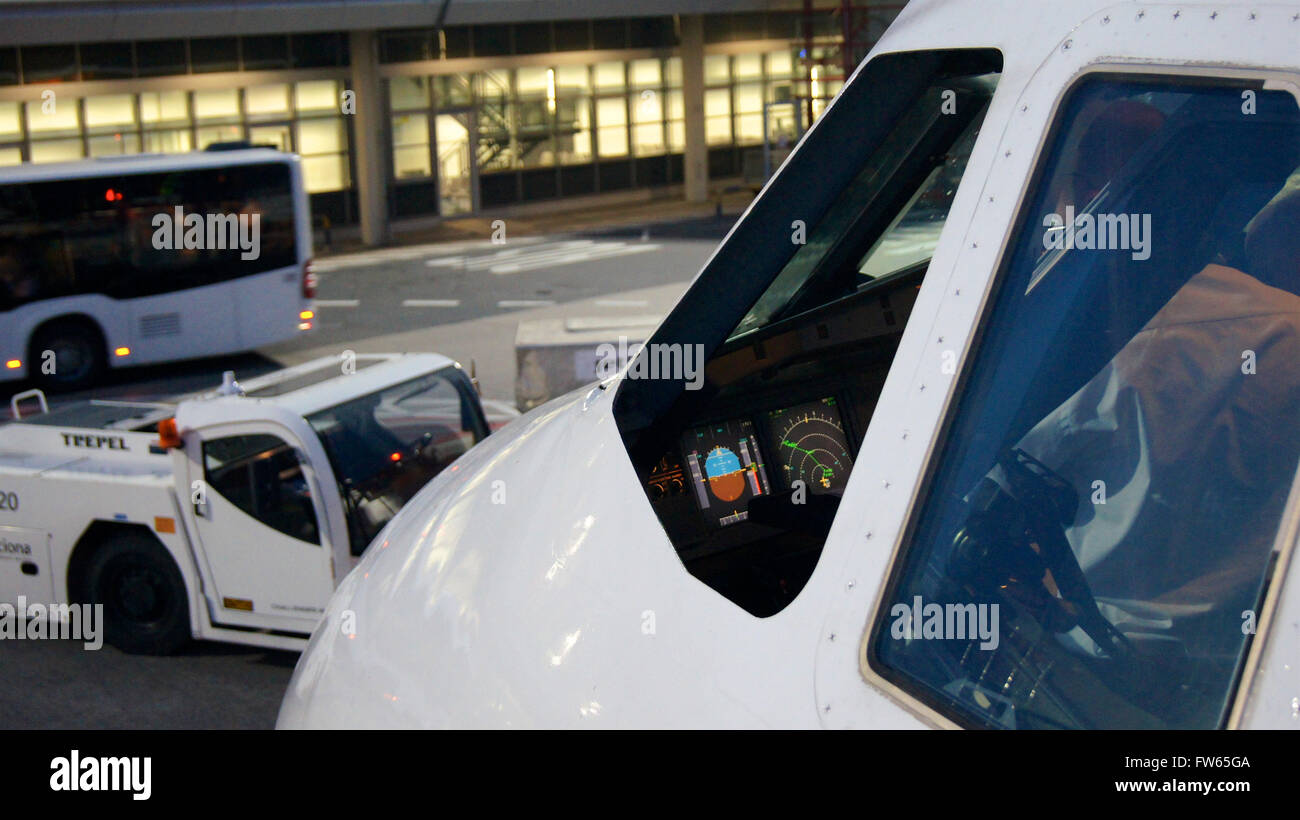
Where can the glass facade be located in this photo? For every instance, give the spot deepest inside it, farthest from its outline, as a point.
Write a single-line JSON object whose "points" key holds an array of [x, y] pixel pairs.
{"points": [[509, 128], [535, 127], [304, 117]]}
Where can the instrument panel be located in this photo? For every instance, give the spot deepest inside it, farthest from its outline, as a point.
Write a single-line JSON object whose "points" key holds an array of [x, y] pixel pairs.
{"points": [[726, 464], [726, 469], [809, 445]]}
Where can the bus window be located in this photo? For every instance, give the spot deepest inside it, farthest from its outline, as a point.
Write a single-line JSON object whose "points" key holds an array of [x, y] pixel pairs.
{"points": [[1110, 485], [97, 234]]}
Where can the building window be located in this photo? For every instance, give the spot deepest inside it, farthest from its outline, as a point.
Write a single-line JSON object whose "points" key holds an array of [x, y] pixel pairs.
{"points": [[573, 130], [9, 66], [611, 127], [492, 41], [11, 126], [407, 93], [216, 113], [107, 61], [780, 64], [717, 69], [60, 118], [323, 145], [453, 90], [747, 67], [49, 63], [63, 150], [676, 110], [111, 125], [267, 101], [609, 34], [165, 116], [572, 35], [155, 58], [317, 95], [717, 116], [214, 54], [411, 146], [318, 50], [610, 76], [533, 38], [265, 53], [749, 113], [648, 123]]}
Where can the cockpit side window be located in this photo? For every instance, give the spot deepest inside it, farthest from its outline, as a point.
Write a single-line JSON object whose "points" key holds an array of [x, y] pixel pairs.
{"points": [[1096, 531], [791, 329], [888, 218]]}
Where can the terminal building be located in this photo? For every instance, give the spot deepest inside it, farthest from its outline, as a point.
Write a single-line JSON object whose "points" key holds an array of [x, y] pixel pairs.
{"points": [[407, 111]]}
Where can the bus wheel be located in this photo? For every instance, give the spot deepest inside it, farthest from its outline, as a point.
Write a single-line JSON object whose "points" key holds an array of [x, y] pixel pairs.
{"points": [[143, 595], [78, 358]]}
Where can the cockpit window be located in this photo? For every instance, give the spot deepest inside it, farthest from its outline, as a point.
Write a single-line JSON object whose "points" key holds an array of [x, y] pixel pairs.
{"points": [[884, 208], [745, 463], [1096, 535]]}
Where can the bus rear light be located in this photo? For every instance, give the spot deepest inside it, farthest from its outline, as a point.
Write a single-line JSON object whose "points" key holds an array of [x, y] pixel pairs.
{"points": [[13, 364], [308, 281], [306, 314], [122, 351]]}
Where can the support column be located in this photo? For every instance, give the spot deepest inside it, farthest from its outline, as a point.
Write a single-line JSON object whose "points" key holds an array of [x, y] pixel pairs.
{"points": [[368, 133], [696, 160]]}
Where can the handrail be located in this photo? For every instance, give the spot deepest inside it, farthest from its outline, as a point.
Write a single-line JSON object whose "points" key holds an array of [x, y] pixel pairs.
{"points": [[34, 393]]}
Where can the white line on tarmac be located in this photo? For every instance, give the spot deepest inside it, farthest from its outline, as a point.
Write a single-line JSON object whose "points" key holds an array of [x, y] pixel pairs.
{"points": [[430, 303], [342, 303], [516, 303], [622, 302]]}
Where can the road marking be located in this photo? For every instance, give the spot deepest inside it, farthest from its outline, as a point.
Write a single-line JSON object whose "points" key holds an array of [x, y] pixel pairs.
{"points": [[622, 302], [410, 253], [430, 303], [518, 303], [348, 303], [570, 256], [549, 254]]}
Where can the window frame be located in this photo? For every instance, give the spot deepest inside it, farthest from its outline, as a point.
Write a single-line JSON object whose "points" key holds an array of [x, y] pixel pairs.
{"points": [[898, 687]]}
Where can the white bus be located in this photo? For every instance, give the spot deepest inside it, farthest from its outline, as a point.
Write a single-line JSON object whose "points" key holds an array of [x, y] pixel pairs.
{"points": [[148, 259]]}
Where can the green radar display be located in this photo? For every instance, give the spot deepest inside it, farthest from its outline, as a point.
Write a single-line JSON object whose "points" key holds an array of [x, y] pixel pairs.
{"points": [[808, 444]]}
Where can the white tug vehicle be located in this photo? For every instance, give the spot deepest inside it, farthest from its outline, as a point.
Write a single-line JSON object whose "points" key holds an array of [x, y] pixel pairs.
{"points": [[1008, 440], [230, 515]]}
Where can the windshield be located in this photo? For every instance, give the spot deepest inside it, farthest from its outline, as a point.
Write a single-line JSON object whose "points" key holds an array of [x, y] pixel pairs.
{"points": [[884, 200], [1095, 540], [385, 446]]}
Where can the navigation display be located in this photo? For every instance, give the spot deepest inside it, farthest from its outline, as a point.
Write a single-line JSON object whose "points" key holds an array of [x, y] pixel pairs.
{"points": [[807, 443], [726, 469]]}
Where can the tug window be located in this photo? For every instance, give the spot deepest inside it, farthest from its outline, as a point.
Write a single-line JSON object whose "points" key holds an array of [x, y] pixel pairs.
{"points": [[1102, 510], [260, 475]]}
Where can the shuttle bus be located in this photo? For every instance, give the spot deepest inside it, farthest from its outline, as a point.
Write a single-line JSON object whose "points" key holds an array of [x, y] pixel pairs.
{"points": [[151, 258]]}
